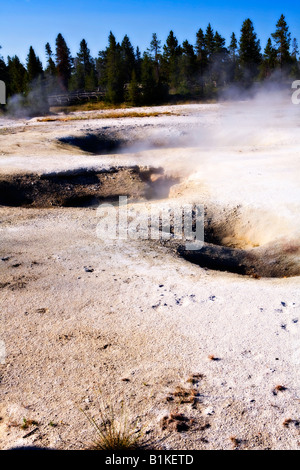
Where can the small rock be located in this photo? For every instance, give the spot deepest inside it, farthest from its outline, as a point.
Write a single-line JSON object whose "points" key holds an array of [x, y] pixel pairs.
{"points": [[88, 270]]}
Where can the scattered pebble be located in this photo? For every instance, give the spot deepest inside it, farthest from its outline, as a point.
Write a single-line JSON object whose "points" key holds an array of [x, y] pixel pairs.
{"points": [[41, 310], [279, 388], [88, 270], [211, 357]]}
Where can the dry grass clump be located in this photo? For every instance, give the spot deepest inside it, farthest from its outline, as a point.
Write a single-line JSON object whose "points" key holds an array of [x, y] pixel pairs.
{"points": [[183, 395], [176, 422], [195, 378], [28, 423], [114, 433]]}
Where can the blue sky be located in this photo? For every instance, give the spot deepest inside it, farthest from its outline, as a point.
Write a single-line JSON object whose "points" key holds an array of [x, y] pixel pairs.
{"points": [[33, 22]]}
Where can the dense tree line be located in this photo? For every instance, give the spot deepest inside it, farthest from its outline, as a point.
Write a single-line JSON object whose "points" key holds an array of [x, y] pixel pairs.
{"points": [[185, 70]]}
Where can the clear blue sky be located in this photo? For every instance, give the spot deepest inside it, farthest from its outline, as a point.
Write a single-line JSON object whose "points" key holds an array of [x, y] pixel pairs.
{"points": [[35, 22]]}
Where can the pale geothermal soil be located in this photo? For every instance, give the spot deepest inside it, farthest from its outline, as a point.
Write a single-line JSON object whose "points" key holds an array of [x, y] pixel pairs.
{"points": [[130, 321]]}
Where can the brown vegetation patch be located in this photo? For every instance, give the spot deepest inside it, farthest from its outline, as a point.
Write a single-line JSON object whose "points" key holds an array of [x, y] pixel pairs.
{"points": [[106, 115], [176, 422]]}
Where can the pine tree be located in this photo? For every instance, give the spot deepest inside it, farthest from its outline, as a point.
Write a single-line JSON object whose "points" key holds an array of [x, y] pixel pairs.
{"points": [[114, 72], [171, 48], [155, 49], [18, 78], [295, 69], [148, 80], [51, 68], [188, 51], [210, 46], [200, 45], [155, 46], [282, 38], [128, 59], [36, 97], [90, 80], [63, 62], [200, 49], [84, 57], [101, 69], [233, 71], [295, 49], [233, 47], [171, 53], [84, 73], [77, 81], [34, 65], [209, 39], [269, 60], [219, 44], [31, 98], [133, 91], [50, 71], [187, 69], [249, 52], [201, 61], [219, 58], [138, 63]]}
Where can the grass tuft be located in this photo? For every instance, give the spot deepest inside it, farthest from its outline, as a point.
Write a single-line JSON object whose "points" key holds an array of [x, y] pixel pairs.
{"points": [[113, 433], [28, 422]]}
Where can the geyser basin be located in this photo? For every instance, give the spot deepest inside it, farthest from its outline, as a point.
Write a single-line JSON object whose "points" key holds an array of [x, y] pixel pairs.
{"points": [[241, 156]]}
